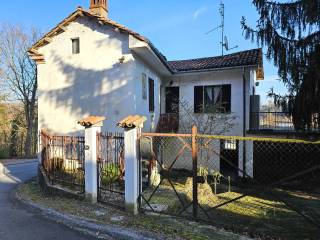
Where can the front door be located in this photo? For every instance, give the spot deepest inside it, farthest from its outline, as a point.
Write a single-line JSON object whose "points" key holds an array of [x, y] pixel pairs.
{"points": [[172, 100]]}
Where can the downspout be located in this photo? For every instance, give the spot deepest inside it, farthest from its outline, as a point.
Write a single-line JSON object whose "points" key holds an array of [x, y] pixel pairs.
{"points": [[244, 121]]}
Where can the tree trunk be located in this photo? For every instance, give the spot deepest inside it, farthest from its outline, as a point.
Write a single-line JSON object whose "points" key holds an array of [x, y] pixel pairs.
{"points": [[30, 121], [28, 142]]}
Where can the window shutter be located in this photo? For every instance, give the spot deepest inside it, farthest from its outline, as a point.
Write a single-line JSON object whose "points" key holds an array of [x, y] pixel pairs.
{"points": [[198, 99], [226, 98], [144, 86], [151, 95], [75, 46]]}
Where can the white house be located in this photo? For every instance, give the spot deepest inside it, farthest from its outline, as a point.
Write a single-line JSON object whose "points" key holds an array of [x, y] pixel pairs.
{"points": [[91, 65]]}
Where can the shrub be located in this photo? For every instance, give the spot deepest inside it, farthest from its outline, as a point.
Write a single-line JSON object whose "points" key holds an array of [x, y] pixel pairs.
{"points": [[110, 174]]}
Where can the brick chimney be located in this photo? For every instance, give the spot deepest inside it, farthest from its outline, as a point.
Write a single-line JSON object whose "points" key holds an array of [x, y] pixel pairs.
{"points": [[99, 7]]}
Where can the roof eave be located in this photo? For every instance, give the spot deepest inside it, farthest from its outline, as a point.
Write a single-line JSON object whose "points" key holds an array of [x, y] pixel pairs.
{"points": [[215, 69], [160, 56]]}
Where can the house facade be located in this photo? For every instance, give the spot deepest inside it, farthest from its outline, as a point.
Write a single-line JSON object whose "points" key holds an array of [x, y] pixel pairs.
{"points": [[91, 65]]}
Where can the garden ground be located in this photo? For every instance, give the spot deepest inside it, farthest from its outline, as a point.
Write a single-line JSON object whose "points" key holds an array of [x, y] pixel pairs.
{"points": [[162, 226], [260, 213]]}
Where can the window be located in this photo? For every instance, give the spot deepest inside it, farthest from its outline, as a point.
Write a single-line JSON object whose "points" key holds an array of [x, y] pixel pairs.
{"points": [[144, 86], [230, 145], [211, 99], [151, 95], [75, 45]]}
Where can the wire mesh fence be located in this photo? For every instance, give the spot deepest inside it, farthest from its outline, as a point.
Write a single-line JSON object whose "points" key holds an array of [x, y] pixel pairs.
{"points": [[62, 158], [167, 176], [267, 188]]}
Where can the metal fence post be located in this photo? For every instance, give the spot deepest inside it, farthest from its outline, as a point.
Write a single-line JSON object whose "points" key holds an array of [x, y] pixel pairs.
{"points": [[195, 171]]}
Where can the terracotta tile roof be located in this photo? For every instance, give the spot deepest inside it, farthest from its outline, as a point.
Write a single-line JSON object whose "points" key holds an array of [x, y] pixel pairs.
{"points": [[246, 58], [132, 121], [91, 120]]}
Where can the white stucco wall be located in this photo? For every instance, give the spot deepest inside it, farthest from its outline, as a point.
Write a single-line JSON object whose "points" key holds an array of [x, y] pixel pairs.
{"points": [[93, 82], [187, 82], [142, 105]]}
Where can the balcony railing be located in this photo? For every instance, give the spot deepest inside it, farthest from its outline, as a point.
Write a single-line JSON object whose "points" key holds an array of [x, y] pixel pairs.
{"points": [[276, 122], [168, 123], [272, 121]]}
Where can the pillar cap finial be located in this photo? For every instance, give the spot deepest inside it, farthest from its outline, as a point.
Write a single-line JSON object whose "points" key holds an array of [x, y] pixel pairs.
{"points": [[92, 121], [132, 122]]}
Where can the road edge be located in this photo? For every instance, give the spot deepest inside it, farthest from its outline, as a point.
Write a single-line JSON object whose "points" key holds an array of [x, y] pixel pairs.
{"points": [[4, 169], [86, 226]]}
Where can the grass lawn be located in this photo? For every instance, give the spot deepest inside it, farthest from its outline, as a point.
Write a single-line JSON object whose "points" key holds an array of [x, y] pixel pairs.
{"points": [[168, 227], [260, 214]]}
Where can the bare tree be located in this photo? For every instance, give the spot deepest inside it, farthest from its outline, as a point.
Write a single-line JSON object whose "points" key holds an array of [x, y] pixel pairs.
{"points": [[18, 73], [213, 122]]}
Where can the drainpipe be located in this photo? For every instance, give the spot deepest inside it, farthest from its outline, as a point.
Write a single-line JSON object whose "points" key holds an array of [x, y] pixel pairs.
{"points": [[244, 120]]}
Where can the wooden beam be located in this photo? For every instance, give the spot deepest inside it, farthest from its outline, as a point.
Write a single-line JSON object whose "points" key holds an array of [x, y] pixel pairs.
{"points": [[48, 39], [36, 58]]}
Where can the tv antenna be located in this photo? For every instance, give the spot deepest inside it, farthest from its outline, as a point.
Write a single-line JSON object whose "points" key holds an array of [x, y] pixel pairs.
{"points": [[224, 40]]}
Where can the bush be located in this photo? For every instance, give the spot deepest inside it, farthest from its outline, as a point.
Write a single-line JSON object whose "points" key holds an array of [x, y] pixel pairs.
{"points": [[110, 174]]}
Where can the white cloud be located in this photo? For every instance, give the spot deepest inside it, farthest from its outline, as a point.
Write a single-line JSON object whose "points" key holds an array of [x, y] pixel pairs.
{"points": [[199, 12]]}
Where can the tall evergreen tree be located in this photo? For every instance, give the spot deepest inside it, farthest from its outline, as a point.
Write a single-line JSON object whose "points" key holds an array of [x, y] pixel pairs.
{"points": [[290, 30]]}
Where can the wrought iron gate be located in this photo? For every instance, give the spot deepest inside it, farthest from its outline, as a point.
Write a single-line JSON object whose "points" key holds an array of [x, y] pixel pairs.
{"points": [[111, 172]]}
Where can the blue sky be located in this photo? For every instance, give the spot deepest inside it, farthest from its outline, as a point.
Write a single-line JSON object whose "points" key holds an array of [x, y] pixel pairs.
{"points": [[177, 27]]}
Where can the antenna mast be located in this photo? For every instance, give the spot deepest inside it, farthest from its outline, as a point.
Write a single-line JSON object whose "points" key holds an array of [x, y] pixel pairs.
{"points": [[224, 41], [222, 26]]}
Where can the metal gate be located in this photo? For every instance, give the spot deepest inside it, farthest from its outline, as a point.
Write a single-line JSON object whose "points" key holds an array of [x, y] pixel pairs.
{"points": [[111, 172]]}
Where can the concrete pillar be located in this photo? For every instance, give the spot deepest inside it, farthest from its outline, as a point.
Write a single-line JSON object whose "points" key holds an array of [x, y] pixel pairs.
{"points": [[132, 170], [240, 157], [248, 158], [216, 154], [132, 126], [92, 126], [91, 185]]}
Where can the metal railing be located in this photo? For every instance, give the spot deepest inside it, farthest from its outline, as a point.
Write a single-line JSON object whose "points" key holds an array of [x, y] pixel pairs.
{"points": [[62, 158], [272, 121], [168, 123], [280, 122]]}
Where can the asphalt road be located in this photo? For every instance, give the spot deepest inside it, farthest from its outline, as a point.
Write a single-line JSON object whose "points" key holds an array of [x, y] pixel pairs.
{"points": [[18, 223]]}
